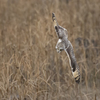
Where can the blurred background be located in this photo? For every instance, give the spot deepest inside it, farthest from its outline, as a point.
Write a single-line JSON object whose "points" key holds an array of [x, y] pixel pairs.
{"points": [[30, 67]]}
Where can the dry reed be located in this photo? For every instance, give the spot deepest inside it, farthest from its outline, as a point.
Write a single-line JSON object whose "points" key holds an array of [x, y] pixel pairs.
{"points": [[30, 67]]}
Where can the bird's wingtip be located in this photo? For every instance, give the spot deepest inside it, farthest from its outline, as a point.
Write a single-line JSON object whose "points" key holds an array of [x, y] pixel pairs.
{"points": [[53, 15], [78, 80]]}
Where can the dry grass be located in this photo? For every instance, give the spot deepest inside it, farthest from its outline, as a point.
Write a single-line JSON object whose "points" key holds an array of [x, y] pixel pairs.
{"points": [[30, 67]]}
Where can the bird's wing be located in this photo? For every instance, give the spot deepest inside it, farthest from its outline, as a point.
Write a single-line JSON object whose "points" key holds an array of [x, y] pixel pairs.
{"points": [[55, 24], [73, 63], [61, 32]]}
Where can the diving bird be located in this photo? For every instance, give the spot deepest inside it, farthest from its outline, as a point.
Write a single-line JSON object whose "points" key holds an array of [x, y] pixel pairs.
{"points": [[64, 44]]}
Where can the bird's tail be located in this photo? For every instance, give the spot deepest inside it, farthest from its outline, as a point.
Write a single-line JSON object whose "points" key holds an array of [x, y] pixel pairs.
{"points": [[54, 20]]}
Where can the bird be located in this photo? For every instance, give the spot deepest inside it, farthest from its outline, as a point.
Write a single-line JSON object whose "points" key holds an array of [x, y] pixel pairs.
{"points": [[64, 44]]}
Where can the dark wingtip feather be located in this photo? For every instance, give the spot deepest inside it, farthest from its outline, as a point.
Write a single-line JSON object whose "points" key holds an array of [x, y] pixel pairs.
{"points": [[53, 15], [77, 80]]}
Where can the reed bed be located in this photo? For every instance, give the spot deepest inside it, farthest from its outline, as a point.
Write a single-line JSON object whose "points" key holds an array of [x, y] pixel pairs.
{"points": [[30, 67]]}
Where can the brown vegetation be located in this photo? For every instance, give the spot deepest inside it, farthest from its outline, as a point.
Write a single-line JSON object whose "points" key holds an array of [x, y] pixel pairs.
{"points": [[30, 67]]}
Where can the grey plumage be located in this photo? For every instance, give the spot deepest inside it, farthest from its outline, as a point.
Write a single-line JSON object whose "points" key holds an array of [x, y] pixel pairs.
{"points": [[64, 44]]}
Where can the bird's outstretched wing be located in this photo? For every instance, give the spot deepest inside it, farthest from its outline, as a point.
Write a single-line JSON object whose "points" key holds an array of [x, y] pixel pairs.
{"points": [[61, 32], [73, 63]]}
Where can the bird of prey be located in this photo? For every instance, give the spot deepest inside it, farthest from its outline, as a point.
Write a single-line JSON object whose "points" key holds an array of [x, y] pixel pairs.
{"points": [[64, 44]]}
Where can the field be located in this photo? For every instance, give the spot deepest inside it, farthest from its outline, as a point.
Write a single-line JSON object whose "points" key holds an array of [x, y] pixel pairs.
{"points": [[30, 67]]}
